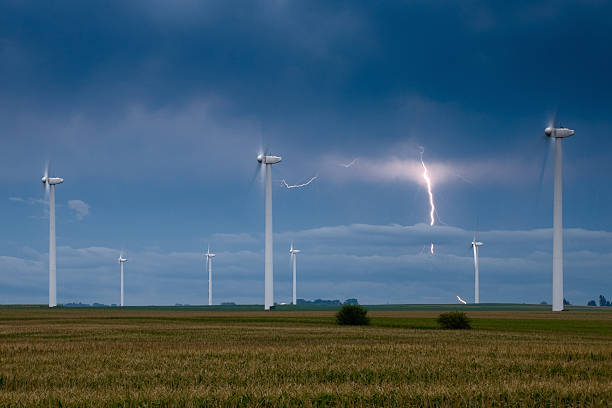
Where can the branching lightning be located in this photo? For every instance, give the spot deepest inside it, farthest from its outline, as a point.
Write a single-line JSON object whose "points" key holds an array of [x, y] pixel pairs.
{"points": [[461, 300], [299, 185], [347, 165]]}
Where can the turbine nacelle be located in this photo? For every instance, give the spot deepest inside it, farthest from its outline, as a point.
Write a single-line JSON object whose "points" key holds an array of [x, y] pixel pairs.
{"points": [[293, 250], [558, 132], [52, 180], [121, 259], [263, 159], [477, 243]]}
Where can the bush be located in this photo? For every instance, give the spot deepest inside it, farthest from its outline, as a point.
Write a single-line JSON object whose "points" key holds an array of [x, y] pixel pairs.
{"points": [[352, 315], [454, 320]]}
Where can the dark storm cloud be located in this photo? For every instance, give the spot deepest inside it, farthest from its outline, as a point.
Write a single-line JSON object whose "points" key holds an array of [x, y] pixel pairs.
{"points": [[298, 72]]}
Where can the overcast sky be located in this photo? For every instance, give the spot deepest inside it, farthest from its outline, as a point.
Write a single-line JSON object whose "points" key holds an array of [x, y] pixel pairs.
{"points": [[154, 113]]}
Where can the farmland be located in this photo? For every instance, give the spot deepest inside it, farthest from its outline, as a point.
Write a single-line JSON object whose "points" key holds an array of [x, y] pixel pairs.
{"points": [[514, 356]]}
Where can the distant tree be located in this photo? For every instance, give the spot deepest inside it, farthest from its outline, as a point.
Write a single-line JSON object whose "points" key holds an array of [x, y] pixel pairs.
{"points": [[351, 301], [592, 303], [543, 302], [454, 320], [353, 315], [566, 302], [603, 301]]}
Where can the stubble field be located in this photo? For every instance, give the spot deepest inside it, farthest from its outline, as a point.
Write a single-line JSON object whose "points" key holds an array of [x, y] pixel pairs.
{"points": [[164, 357]]}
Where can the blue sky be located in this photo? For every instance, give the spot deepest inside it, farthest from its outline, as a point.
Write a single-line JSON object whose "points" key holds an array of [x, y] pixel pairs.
{"points": [[154, 112]]}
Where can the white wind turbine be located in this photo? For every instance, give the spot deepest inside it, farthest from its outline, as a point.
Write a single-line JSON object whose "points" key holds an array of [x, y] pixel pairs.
{"points": [[122, 260], [49, 183], [558, 134], [209, 256], [475, 245], [268, 161], [293, 255]]}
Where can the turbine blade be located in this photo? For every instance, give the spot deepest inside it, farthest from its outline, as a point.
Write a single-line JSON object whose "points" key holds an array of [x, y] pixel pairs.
{"points": [[548, 151]]}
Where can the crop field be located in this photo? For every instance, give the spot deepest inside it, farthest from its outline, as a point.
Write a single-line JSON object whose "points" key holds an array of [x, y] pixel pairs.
{"points": [[156, 357]]}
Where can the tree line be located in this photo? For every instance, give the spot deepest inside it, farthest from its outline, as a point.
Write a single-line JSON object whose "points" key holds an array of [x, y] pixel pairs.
{"points": [[602, 302]]}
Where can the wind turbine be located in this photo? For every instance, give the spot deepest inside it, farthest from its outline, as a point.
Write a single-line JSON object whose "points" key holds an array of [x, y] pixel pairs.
{"points": [[558, 134], [293, 255], [268, 161], [122, 260], [49, 183], [209, 258], [475, 245]]}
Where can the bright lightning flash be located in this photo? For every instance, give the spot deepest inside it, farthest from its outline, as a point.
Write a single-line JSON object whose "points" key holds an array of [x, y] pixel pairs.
{"points": [[300, 185], [432, 206]]}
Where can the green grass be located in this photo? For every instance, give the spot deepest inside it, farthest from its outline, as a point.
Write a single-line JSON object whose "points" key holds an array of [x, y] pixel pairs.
{"points": [[109, 357]]}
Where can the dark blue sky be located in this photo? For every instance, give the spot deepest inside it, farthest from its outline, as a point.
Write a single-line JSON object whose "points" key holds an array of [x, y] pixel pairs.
{"points": [[154, 112]]}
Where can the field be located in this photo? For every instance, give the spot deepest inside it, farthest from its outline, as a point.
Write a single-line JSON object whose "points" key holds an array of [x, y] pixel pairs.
{"points": [[150, 357]]}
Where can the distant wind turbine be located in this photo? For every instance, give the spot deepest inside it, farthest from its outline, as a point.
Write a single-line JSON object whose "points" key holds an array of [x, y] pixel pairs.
{"points": [[209, 256], [122, 260], [268, 161], [50, 183], [293, 255], [475, 245], [558, 134]]}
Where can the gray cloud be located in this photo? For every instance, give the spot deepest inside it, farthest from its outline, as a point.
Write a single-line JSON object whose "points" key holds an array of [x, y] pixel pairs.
{"points": [[80, 207]]}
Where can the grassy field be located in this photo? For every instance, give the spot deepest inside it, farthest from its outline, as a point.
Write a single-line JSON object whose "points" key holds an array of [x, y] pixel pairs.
{"points": [[150, 357]]}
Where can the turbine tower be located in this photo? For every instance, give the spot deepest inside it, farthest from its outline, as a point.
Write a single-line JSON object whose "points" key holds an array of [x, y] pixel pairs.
{"points": [[475, 245], [49, 183], [558, 134], [268, 161], [209, 258], [122, 260], [293, 255]]}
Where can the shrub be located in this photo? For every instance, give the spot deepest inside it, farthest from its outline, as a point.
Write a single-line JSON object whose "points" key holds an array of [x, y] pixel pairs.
{"points": [[454, 320], [352, 315]]}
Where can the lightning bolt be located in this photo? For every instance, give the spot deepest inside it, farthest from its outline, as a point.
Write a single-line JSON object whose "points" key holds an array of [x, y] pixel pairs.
{"points": [[283, 182], [347, 165], [432, 206]]}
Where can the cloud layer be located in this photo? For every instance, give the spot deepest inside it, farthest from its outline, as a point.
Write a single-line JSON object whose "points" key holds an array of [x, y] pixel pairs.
{"points": [[374, 263]]}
